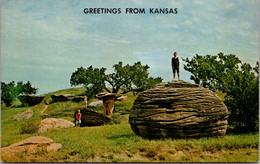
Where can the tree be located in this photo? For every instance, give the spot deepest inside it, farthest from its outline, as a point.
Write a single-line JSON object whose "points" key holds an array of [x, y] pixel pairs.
{"points": [[125, 78], [238, 80], [211, 71], [9, 92]]}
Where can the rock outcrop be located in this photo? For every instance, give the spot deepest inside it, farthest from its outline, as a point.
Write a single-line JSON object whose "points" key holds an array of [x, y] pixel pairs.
{"points": [[92, 118], [31, 100], [178, 110], [24, 116], [61, 98], [54, 123], [30, 145], [66, 97]]}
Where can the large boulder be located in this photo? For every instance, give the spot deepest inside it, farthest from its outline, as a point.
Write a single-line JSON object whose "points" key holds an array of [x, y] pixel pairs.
{"points": [[32, 145], [24, 115], [92, 118], [30, 100], [178, 110], [49, 124]]}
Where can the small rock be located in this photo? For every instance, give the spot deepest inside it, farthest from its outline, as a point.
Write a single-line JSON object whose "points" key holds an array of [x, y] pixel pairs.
{"points": [[24, 116], [54, 147], [96, 104]]}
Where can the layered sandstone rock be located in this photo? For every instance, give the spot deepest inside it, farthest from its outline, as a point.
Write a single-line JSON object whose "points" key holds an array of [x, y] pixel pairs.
{"points": [[92, 118], [178, 110]]}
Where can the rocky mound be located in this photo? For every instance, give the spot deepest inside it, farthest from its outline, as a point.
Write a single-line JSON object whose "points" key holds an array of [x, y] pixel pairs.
{"points": [[92, 118], [178, 110], [54, 123], [24, 116], [31, 145]]}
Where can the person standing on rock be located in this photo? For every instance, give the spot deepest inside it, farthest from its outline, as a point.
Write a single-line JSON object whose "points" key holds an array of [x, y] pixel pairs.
{"points": [[85, 101], [78, 118], [175, 66]]}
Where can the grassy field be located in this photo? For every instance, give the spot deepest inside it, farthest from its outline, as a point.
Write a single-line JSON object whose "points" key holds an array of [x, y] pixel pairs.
{"points": [[117, 142]]}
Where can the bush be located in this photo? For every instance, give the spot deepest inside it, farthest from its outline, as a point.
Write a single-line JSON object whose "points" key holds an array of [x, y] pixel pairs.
{"points": [[116, 118], [29, 127]]}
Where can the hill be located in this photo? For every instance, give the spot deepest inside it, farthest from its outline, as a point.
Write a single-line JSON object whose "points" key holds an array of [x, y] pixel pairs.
{"points": [[117, 142]]}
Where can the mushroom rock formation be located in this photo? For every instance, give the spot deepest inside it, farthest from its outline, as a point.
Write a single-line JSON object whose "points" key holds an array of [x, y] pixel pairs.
{"points": [[178, 110], [108, 101]]}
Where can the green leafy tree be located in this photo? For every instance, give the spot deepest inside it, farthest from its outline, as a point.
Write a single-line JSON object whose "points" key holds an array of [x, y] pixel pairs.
{"points": [[238, 80], [25, 88], [9, 92], [125, 78]]}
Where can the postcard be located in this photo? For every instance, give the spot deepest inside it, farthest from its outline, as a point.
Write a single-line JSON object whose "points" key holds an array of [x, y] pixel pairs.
{"points": [[129, 81]]}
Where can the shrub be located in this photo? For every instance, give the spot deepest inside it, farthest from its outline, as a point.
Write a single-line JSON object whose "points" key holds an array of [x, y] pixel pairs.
{"points": [[29, 127], [116, 118]]}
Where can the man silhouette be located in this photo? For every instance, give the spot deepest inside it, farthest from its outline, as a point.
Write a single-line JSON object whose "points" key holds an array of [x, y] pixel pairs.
{"points": [[175, 65]]}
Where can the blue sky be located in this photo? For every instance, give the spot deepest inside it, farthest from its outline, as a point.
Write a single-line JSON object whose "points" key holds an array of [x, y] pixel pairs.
{"points": [[45, 41]]}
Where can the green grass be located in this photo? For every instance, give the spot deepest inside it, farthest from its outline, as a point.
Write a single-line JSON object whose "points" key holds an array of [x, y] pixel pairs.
{"points": [[118, 143]]}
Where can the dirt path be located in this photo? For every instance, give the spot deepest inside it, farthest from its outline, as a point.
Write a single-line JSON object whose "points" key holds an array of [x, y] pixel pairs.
{"points": [[45, 107]]}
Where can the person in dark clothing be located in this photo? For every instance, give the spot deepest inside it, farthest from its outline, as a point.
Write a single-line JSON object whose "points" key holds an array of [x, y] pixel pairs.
{"points": [[175, 65]]}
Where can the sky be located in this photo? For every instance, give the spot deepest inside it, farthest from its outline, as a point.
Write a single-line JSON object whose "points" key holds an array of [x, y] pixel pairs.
{"points": [[45, 41]]}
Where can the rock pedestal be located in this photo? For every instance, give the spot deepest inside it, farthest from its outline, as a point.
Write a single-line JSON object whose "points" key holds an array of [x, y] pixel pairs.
{"points": [[108, 101], [178, 110]]}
